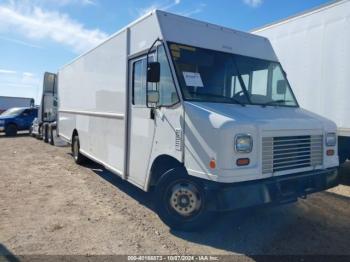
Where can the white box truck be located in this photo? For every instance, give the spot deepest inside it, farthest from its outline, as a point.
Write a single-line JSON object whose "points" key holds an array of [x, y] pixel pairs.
{"points": [[45, 125], [7, 102], [202, 114], [314, 48]]}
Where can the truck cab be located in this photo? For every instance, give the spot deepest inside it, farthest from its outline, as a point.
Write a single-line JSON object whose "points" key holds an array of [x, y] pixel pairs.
{"points": [[45, 124], [246, 140], [17, 119]]}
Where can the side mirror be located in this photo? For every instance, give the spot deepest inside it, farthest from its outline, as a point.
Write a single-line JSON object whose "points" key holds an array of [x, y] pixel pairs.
{"points": [[281, 87], [153, 72], [152, 98]]}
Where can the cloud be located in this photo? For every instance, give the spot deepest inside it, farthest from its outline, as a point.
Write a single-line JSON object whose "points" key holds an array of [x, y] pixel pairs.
{"points": [[19, 42], [27, 74], [74, 2], [164, 7], [23, 84], [196, 10], [7, 72], [253, 3], [33, 22], [58, 3]]}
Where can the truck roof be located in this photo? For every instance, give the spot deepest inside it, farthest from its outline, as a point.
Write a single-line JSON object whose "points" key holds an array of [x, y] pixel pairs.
{"points": [[166, 23], [300, 15]]}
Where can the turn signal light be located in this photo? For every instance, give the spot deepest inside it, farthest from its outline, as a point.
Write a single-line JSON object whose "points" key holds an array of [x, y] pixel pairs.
{"points": [[212, 164], [330, 152], [242, 161]]}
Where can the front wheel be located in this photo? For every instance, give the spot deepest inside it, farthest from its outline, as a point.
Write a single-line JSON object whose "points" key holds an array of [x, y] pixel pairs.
{"points": [[181, 201], [11, 130]]}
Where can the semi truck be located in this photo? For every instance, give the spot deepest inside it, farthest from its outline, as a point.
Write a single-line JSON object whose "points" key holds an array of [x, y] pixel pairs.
{"points": [[44, 125], [201, 115], [314, 48], [7, 102]]}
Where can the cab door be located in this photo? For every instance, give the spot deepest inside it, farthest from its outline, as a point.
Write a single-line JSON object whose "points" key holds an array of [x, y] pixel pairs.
{"points": [[140, 122], [23, 119]]}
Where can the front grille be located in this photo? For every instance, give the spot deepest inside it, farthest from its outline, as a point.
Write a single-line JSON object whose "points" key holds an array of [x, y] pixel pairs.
{"points": [[291, 152]]}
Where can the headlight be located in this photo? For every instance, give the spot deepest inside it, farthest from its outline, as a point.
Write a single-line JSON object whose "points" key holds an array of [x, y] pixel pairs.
{"points": [[243, 143], [331, 139]]}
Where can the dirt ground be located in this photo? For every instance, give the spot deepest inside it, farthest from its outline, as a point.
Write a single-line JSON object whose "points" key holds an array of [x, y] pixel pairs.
{"points": [[49, 205]]}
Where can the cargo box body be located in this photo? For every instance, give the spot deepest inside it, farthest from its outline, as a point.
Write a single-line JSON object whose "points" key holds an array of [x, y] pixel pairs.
{"points": [[314, 48]]}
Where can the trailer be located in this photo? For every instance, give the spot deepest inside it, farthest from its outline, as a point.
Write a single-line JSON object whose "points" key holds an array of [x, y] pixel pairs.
{"points": [[45, 125], [314, 48], [7, 102], [201, 115]]}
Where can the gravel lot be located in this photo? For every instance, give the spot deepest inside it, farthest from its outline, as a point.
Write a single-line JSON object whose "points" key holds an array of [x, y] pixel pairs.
{"points": [[49, 205]]}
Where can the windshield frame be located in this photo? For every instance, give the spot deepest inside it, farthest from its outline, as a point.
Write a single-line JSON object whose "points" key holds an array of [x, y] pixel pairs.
{"points": [[244, 88]]}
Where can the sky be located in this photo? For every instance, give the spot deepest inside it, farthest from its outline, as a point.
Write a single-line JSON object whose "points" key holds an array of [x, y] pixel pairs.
{"points": [[43, 35]]}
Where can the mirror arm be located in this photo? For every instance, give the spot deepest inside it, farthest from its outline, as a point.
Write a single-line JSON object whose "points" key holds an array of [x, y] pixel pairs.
{"points": [[147, 60]]}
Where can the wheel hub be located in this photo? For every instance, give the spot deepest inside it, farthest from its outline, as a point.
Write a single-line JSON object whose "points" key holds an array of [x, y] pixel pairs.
{"points": [[184, 199]]}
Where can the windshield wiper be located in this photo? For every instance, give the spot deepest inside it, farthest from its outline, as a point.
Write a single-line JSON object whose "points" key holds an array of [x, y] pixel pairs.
{"points": [[274, 102], [218, 96], [237, 101]]}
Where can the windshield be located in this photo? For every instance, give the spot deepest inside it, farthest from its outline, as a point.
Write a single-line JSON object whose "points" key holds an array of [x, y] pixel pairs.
{"points": [[12, 112], [213, 76]]}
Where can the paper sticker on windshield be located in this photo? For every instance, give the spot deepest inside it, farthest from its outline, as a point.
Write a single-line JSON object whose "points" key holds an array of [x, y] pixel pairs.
{"points": [[193, 79]]}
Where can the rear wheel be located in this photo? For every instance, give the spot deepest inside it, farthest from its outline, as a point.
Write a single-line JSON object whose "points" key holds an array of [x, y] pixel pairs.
{"points": [[51, 140], [39, 135], [46, 133], [181, 201], [11, 130], [78, 157]]}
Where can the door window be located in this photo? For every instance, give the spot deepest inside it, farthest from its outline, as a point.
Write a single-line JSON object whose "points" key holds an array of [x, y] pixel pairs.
{"points": [[167, 91], [26, 112], [139, 83]]}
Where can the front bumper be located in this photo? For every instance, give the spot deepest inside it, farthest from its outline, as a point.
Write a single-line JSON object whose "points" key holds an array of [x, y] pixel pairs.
{"points": [[273, 191]]}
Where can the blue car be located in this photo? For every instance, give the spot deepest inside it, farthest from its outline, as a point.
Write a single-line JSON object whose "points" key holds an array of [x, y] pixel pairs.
{"points": [[17, 119]]}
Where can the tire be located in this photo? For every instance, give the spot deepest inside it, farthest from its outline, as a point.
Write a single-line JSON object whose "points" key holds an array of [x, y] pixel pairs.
{"points": [[181, 201], [11, 130], [38, 136], [51, 140], [78, 157], [46, 133]]}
